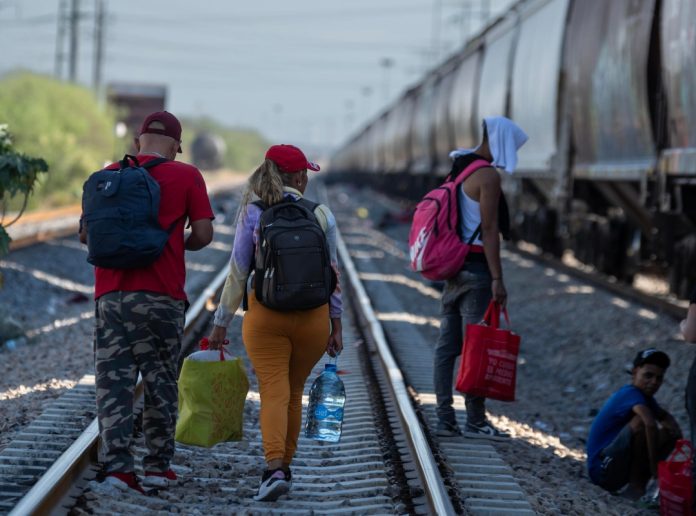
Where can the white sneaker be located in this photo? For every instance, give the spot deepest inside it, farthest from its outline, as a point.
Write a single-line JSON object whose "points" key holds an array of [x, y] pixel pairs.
{"points": [[273, 485]]}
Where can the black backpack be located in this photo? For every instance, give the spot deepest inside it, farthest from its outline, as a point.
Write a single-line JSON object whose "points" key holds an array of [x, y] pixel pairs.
{"points": [[120, 209], [292, 266]]}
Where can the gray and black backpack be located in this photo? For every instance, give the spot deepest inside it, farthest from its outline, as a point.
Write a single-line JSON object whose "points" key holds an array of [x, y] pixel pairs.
{"points": [[293, 265]]}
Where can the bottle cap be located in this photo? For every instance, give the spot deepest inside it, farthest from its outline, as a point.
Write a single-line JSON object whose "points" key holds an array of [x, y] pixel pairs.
{"points": [[330, 367]]}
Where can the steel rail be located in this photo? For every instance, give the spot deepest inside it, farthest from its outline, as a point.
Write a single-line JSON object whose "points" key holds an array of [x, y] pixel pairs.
{"points": [[65, 219], [657, 303], [46, 495], [435, 490]]}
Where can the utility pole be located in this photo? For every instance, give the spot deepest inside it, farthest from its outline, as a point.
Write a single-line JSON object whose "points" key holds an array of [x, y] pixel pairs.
{"points": [[74, 28], [437, 27], [98, 45], [386, 63], [60, 37], [485, 11]]}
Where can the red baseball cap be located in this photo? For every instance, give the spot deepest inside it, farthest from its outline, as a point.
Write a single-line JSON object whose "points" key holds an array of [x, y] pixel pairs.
{"points": [[172, 127], [290, 159]]}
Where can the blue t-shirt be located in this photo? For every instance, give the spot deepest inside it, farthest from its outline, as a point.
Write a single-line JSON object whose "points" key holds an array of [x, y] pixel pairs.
{"points": [[615, 414]]}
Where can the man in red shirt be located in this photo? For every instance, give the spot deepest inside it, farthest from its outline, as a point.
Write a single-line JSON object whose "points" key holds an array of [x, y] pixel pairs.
{"points": [[140, 317]]}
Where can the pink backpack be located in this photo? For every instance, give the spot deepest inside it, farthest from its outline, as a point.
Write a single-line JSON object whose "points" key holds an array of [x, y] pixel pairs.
{"points": [[436, 249]]}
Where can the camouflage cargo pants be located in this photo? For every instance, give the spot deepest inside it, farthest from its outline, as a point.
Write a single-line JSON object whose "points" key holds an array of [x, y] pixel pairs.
{"points": [[137, 332]]}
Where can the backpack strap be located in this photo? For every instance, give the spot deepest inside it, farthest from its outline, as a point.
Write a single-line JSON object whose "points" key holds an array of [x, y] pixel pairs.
{"points": [[124, 163], [476, 233], [311, 206], [153, 163], [470, 169], [473, 167], [252, 265]]}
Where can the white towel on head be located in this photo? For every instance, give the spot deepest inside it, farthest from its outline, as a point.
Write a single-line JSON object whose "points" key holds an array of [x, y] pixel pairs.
{"points": [[505, 137]]}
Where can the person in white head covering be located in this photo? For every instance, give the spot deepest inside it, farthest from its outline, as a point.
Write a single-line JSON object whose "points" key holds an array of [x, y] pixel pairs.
{"points": [[504, 138], [466, 296]]}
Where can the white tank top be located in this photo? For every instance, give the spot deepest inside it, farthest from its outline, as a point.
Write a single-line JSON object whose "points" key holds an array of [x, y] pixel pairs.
{"points": [[469, 216]]}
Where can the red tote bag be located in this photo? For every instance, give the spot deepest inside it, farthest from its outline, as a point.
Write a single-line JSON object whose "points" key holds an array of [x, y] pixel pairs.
{"points": [[674, 480], [489, 358]]}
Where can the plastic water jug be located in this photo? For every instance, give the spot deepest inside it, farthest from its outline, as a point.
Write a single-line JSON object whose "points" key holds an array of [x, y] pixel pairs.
{"points": [[210, 355], [325, 412]]}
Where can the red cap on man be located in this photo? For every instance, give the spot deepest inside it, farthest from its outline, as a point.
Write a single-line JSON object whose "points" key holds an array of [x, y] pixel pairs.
{"points": [[290, 159], [168, 125]]}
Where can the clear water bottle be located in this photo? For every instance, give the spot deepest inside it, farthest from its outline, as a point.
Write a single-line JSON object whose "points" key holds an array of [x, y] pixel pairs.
{"points": [[325, 411]]}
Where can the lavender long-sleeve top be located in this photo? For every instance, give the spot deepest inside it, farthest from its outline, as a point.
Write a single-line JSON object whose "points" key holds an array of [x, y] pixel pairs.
{"points": [[245, 241]]}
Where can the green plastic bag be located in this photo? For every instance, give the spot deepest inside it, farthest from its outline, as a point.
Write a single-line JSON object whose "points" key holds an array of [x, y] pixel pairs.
{"points": [[211, 402]]}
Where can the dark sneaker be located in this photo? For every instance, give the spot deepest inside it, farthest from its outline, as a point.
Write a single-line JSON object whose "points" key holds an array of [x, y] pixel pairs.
{"points": [[448, 430], [160, 480], [485, 431], [124, 482], [273, 485]]}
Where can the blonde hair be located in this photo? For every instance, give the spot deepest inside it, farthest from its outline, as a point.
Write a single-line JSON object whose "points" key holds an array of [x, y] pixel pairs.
{"points": [[266, 183]]}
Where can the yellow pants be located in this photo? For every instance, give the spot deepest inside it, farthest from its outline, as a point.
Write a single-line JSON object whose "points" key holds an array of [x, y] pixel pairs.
{"points": [[283, 348]]}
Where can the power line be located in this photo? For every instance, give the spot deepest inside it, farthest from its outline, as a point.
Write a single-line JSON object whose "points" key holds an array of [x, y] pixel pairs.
{"points": [[308, 16]]}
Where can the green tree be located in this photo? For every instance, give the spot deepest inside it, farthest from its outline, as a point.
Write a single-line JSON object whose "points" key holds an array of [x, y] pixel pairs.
{"points": [[18, 175], [65, 125]]}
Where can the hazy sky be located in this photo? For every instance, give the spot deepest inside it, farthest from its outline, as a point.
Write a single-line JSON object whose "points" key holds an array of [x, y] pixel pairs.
{"points": [[309, 72]]}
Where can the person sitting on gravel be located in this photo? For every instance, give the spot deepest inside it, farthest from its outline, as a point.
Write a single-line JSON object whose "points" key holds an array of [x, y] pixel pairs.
{"points": [[632, 432], [283, 346], [466, 296]]}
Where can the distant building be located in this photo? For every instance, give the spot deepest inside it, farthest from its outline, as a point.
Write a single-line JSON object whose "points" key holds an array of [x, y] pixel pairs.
{"points": [[133, 102]]}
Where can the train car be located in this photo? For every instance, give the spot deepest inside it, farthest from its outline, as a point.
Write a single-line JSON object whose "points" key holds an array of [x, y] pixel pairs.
{"points": [[607, 94]]}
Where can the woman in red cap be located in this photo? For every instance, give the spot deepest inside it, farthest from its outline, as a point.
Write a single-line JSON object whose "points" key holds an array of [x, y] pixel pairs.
{"points": [[283, 345]]}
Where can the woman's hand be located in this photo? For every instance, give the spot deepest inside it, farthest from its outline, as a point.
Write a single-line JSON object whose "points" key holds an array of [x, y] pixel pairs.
{"points": [[335, 344], [499, 292], [216, 339]]}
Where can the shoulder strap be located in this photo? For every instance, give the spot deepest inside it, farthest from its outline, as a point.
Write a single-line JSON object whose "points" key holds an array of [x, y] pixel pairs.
{"points": [[153, 162], [479, 163], [311, 206], [125, 162]]}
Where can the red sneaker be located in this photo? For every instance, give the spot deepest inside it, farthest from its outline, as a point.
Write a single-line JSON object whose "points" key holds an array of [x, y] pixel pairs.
{"points": [[124, 481], [156, 479]]}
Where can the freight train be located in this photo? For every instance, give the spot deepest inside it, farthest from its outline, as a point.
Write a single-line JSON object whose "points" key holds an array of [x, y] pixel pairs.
{"points": [[606, 91]]}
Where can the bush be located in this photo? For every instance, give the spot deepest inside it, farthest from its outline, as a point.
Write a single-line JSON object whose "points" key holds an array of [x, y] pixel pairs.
{"points": [[63, 123]]}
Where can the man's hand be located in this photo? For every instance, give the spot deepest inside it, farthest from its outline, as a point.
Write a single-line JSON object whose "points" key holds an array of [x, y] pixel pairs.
{"points": [[216, 339], [201, 235]]}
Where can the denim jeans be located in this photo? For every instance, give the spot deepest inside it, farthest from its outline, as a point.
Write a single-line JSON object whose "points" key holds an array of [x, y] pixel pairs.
{"points": [[465, 300]]}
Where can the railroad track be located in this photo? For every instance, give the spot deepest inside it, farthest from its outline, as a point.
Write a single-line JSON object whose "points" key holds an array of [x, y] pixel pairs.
{"points": [[394, 465], [385, 461], [57, 451], [660, 303], [44, 225]]}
